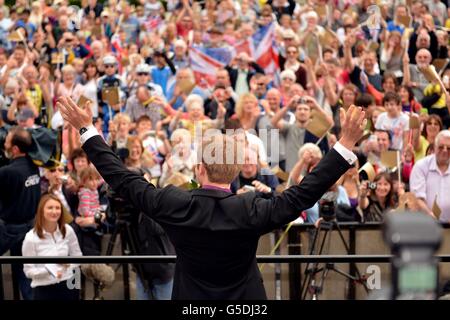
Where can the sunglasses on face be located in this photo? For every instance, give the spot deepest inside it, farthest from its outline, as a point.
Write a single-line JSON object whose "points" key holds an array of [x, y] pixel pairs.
{"points": [[142, 74], [109, 66]]}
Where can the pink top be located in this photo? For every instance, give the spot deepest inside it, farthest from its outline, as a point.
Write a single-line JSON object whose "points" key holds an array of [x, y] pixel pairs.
{"points": [[89, 202]]}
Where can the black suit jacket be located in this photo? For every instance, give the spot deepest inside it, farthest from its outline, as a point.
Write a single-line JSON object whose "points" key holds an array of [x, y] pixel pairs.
{"points": [[215, 233]]}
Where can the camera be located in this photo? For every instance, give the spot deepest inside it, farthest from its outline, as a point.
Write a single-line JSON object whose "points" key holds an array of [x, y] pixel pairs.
{"points": [[372, 185], [249, 188], [98, 217], [327, 206], [327, 210]]}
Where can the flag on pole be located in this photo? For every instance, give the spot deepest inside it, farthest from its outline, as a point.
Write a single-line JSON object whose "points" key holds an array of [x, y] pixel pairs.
{"points": [[206, 61]]}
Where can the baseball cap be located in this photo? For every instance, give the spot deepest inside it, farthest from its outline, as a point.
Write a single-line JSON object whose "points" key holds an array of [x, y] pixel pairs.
{"points": [[216, 30], [109, 60], [143, 68], [25, 114]]}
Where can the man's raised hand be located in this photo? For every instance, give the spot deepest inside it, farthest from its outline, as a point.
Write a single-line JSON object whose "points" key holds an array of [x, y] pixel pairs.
{"points": [[78, 117], [353, 123]]}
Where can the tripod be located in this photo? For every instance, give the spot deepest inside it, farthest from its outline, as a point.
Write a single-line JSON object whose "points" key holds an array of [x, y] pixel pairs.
{"points": [[310, 284], [129, 246]]}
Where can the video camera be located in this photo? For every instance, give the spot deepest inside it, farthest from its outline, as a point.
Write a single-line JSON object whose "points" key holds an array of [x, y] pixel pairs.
{"points": [[327, 206], [414, 238]]}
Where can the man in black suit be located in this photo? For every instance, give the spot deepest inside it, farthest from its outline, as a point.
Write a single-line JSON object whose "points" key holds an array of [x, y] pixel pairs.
{"points": [[215, 232]]}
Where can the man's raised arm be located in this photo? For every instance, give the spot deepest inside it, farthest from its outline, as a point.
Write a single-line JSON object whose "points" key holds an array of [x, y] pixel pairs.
{"points": [[127, 184], [288, 205]]}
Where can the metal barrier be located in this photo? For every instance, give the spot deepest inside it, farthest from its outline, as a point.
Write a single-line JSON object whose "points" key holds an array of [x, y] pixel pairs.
{"points": [[153, 259], [294, 245], [294, 257]]}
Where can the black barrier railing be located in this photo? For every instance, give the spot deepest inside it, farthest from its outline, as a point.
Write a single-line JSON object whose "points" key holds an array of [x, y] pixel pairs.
{"points": [[155, 259], [294, 244], [294, 259]]}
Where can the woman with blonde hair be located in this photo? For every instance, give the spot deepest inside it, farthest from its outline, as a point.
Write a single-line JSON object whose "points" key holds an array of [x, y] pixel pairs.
{"points": [[247, 111], [119, 130], [51, 236]]}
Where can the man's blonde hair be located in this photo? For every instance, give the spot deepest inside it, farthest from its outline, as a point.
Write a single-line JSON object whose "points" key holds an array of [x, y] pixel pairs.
{"points": [[219, 155]]}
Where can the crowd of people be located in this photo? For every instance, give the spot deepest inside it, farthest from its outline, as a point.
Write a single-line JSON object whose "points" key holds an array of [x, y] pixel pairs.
{"points": [[159, 75]]}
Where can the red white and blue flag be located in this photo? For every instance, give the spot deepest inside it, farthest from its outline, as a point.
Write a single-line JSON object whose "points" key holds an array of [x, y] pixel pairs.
{"points": [[206, 61], [260, 47]]}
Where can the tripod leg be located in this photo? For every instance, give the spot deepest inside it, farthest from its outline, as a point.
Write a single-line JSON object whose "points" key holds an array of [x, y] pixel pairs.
{"points": [[126, 274], [347, 249], [312, 273], [113, 239], [306, 281], [133, 244]]}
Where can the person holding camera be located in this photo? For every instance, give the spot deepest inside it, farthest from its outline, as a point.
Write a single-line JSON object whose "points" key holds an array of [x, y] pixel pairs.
{"points": [[254, 179], [296, 133], [19, 197], [377, 197]]}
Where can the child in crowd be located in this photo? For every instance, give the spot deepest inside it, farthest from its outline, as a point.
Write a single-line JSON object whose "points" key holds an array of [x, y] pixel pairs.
{"points": [[88, 195], [393, 120]]}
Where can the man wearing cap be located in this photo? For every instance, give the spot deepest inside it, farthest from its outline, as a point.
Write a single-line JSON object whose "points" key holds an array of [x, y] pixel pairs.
{"points": [[180, 59], [25, 119], [109, 81], [241, 75], [19, 197], [216, 38], [145, 103], [143, 78]]}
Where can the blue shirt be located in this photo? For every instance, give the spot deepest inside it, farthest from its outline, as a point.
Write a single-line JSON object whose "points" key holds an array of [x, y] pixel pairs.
{"points": [[161, 76], [179, 102]]}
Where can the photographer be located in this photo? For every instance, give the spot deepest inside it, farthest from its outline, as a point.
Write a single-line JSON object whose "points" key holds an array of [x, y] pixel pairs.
{"points": [[19, 197], [377, 197], [252, 177], [296, 133]]}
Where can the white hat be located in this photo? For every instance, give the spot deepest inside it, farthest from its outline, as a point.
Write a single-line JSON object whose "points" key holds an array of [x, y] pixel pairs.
{"points": [[180, 43], [288, 74], [143, 68], [289, 34], [109, 60]]}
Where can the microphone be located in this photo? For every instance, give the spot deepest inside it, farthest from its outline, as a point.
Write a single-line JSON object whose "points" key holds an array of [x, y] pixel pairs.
{"points": [[99, 272]]}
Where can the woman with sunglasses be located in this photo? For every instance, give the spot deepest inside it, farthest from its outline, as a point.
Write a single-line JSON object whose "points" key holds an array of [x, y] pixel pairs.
{"points": [[291, 62]]}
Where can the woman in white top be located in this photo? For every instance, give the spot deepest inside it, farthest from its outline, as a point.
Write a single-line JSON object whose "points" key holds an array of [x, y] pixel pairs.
{"points": [[51, 237]]}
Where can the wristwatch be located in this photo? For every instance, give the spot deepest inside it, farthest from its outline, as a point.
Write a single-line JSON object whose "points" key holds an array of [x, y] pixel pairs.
{"points": [[83, 130]]}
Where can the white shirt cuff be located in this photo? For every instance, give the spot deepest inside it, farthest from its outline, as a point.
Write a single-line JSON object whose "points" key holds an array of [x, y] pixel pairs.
{"points": [[348, 155], [91, 132]]}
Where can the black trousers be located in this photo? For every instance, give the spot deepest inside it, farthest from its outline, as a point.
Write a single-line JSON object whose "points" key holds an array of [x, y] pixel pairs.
{"points": [[58, 291]]}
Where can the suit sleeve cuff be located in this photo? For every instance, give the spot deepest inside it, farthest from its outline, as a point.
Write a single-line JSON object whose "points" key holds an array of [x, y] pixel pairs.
{"points": [[348, 155], [91, 132]]}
